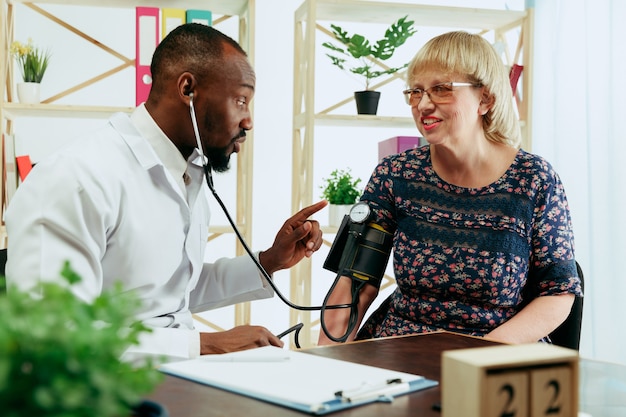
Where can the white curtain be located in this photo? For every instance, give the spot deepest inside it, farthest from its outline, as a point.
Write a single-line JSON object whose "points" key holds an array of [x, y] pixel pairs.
{"points": [[578, 122]]}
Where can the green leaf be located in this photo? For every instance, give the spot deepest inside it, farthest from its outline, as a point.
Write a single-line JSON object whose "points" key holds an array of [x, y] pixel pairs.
{"points": [[359, 46], [337, 61], [333, 47], [67, 272]]}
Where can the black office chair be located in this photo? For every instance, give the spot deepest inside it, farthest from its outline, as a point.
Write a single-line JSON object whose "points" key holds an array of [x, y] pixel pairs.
{"points": [[568, 333], [3, 260]]}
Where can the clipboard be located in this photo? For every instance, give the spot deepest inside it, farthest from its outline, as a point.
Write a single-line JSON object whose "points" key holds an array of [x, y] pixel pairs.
{"points": [[297, 380]]}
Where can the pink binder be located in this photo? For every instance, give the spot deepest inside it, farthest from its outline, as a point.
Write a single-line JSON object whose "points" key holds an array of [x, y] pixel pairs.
{"points": [[398, 144], [146, 40]]}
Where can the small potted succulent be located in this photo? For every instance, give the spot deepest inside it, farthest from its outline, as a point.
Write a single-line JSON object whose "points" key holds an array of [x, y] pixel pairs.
{"points": [[60, 356], [357, 55], [341, 190]]}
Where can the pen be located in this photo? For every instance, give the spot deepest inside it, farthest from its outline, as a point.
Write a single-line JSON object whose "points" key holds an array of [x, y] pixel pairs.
{"points": [[382, 392]]}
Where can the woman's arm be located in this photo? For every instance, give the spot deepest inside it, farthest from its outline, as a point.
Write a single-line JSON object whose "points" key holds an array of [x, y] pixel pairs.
{"points": [[336, 320], [535, 321]]}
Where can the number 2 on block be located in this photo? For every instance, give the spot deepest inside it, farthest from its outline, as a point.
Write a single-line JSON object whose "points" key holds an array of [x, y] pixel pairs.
{"points": [[551, 394], [507, 394]]}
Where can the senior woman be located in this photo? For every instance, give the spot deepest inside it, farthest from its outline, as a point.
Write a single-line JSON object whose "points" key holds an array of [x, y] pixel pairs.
{"points": [[482, 236]]}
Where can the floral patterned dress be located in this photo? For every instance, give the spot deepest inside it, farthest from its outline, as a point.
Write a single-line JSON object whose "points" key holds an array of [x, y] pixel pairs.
{"points": [[468, 259]]}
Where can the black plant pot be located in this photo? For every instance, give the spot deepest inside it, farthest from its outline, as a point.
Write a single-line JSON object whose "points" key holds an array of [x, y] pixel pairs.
{"points": [[148, 408], [366, 101]]}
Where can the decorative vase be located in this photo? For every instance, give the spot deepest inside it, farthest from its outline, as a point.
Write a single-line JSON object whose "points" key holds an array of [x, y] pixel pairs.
{"points": [[366, 101], [336, 213], [29, 93]]}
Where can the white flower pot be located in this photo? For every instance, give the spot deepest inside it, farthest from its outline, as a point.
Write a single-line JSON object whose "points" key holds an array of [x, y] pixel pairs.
{"points": [[336, 212], [29, 93]]}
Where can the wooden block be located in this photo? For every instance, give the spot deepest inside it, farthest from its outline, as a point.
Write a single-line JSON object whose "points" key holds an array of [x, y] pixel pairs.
{"points": [[529, 380]]}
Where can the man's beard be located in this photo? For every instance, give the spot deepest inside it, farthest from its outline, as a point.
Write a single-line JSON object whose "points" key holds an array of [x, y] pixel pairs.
{"points": [[219, 159]]}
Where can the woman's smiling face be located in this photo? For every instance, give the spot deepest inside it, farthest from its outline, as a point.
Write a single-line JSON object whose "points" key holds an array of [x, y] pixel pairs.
{"points": [[458, 116]]}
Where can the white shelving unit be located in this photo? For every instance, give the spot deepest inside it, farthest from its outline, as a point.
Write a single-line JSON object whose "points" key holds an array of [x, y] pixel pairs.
{"points": [[313, 18], [243, 11]]}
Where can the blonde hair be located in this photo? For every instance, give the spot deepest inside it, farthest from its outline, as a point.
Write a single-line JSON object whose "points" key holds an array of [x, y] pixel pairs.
{"points": [[472, 56]]}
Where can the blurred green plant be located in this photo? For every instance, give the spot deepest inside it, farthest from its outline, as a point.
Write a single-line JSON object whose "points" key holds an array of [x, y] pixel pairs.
{"points": [[340, 187], [60, 356]]}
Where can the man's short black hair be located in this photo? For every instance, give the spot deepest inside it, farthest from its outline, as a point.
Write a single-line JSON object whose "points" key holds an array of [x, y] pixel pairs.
{"points": [[192, 47]]}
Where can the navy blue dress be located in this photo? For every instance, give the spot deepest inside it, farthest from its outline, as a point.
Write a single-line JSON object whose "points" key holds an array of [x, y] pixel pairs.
{"points": [[468, 259]]}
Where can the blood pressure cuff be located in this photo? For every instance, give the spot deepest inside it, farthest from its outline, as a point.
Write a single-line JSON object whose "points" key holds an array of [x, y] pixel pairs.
{"points": [[360, 251]]}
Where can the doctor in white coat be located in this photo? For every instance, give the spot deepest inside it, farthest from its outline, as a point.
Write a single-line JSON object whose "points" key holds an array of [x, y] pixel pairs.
{"points": [[128, 203]]}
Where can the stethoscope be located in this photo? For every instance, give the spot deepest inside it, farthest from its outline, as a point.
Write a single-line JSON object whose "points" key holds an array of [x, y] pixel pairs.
{"points": [[206, 165]]}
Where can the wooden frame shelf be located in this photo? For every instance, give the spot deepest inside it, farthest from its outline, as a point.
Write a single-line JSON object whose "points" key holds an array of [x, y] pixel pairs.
{"points": [[13, 111], [423, 15], [311, 19], [230, 7], [241, 10], [361, 120]]}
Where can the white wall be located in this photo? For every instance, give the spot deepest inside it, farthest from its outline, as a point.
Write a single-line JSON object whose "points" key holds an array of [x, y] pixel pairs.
{"points": [[578, 126]]}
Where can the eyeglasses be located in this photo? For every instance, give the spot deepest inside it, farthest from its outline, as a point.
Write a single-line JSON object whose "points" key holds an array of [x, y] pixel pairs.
{"points": [[440, 93]]}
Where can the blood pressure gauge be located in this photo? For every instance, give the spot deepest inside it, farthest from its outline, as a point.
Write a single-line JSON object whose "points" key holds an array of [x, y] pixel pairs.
{"points": [[360, 212]]}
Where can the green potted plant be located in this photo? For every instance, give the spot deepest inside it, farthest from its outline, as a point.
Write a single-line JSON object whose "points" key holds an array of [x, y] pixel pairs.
{"points": [[341, 190], [60, 356], [358, 55], [33, 63]]}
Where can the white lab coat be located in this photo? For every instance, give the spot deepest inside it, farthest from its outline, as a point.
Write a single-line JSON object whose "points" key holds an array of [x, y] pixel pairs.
{"points": [[108, 205]]}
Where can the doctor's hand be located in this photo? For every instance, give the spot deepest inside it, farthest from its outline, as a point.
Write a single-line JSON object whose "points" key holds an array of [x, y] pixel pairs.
{"points": [[299, 237], [236, 339]]}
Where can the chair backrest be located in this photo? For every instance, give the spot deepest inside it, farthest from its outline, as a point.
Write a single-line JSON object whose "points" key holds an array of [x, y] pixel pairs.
{"points": [[568, 333], [3, 260]]}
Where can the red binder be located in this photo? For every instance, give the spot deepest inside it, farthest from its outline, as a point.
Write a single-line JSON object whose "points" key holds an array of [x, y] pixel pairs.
{"points": [[23, 166], [147, 36], [514, 74]]}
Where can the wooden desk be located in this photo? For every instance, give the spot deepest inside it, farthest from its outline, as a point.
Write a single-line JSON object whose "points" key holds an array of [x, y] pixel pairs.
{"points": [[419, 354]]}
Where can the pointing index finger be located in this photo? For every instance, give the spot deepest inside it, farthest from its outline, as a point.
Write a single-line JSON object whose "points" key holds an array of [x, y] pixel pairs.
{"points": [[312, 209]]}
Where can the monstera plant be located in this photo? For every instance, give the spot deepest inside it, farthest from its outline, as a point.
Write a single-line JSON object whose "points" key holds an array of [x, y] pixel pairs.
{"points": [[359, 55]]}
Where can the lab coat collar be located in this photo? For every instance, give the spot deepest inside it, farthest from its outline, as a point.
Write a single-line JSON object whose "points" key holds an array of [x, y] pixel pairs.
{"points": [[139, 146]]}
